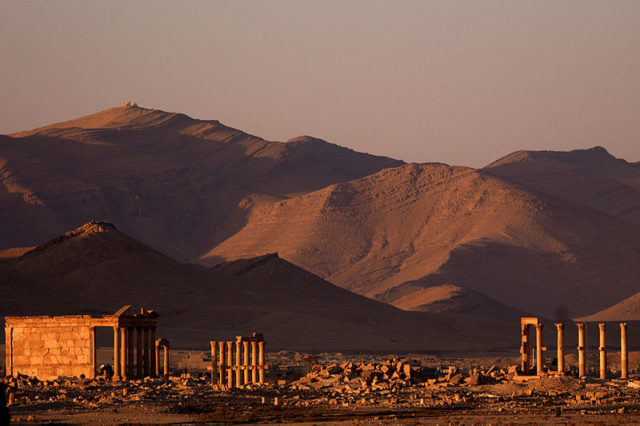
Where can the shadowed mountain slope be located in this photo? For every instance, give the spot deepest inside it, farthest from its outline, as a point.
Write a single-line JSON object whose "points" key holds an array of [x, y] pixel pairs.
{"points": [[435, 224], [174, 182], [96, 269], [592, 177]]}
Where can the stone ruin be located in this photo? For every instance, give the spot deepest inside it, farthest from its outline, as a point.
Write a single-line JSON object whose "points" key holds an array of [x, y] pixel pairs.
{"points": [[526, 348], [49, 347], [249, 358]]}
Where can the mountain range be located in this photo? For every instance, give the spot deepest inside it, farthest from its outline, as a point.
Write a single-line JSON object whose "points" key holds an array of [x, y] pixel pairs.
{"points": [[555, 234]]}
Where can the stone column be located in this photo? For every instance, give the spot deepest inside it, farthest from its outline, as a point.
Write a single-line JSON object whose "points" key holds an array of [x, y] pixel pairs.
{"points": [[246, 362], [261, 362], [214, 362], [138, 352], [582, 349], [116, 353], [238, 363], [539, 349], [624, 359], [166, 359], [157, 357], [603, 350], [152, 351], [560, 328], [146, 348], [124, 350], [221, 373], [254, 362], [230, 363]]}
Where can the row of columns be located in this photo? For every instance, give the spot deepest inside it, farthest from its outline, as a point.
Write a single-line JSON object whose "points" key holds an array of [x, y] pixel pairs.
{"points": [[582, 348], [245, 364], [127, 366]]}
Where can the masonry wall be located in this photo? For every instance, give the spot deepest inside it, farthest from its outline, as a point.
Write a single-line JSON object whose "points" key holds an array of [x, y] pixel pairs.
{"points": [[48, 347]]}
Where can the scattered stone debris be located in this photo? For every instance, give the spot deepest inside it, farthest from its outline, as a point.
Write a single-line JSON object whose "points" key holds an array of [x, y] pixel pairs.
{"points": [[391, 389]]}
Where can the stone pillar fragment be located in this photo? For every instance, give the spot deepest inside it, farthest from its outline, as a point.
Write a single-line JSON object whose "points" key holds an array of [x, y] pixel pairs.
{"points": [[539, 349], [624, 358], [582, 349], [560, 328], [603, 350]]}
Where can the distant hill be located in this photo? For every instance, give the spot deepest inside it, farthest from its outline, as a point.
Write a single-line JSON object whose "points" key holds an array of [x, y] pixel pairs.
{"points": [[625, 310], [176, 183], [438, 224], [591, 177], [96, 269]]}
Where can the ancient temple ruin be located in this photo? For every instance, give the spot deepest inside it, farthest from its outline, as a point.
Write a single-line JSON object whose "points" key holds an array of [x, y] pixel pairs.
{"points": [[526, 348], [246, 367], [51, 346]]}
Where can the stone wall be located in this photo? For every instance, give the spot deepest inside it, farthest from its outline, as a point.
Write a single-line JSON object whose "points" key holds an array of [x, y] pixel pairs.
{"points": [[48, 347]]}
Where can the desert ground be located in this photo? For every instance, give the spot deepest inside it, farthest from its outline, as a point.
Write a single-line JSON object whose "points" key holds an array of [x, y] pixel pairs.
{"points": [[335, 388]]}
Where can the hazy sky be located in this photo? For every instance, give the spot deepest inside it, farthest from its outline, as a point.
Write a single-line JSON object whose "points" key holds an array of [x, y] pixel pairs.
{"points": [[461, 82]]}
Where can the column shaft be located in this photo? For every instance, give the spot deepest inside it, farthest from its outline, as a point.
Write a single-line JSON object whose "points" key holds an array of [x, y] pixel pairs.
{"points": [[157, 358], [603, 350], [221, 373], [230, 363], [124, 350], [254, 362], [261, 362], [582, 367], [560, 328], [116, 353], [238, 364], [539, 357], [624, 360], [246, 362], [166, 360]]}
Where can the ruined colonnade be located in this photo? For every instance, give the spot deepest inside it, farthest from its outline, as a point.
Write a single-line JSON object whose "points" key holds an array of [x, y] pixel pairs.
{"points": [[238, 362], [526, 348]]}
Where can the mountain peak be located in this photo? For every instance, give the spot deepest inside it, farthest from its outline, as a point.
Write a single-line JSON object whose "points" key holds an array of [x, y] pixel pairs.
{"points": [[90, 227]]}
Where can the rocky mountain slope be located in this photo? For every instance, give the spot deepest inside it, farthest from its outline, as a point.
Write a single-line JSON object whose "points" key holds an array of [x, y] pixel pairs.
{"points": [[174, 182], [435, 224], [96, 269], [591, 177]]}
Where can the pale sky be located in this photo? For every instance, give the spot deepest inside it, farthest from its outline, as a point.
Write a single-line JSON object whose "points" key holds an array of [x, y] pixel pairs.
{"points": [[460, 82]]}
